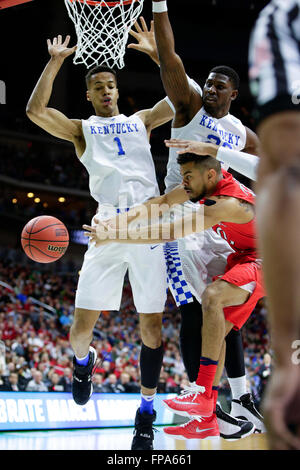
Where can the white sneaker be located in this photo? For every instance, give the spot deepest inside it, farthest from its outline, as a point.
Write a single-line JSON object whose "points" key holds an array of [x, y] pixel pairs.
{"points": [[244, 408]]}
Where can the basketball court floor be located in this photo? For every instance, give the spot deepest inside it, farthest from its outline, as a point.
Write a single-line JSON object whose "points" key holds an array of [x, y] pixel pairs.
{"points": [[117, 439]]}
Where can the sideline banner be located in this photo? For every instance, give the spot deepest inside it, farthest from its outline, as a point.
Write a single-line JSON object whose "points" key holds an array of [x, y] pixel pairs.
{"points": [[57, 410]]}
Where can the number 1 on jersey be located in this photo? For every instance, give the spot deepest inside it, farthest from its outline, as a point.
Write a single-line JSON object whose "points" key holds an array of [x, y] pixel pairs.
{"points": [[121, 150]]}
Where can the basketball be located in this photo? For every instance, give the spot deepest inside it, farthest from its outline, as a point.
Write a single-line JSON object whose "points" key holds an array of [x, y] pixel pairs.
{"points": [[45, 239]]}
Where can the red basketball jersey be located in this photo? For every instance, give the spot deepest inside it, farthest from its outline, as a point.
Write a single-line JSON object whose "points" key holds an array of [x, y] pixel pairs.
{"points": [[241, 237]]}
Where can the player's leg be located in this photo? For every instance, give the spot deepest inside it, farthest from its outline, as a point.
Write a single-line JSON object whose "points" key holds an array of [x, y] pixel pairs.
{"points": [[242, 405], [147, 275], [215, 327], [81, 335], [190, 337], [99, 288], [151, 357]]}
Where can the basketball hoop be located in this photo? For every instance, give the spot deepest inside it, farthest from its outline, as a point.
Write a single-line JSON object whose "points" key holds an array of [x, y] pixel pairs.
{"points": [[102, 29]]}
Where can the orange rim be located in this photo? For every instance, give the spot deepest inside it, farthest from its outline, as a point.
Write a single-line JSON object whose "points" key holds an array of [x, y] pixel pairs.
{"points": [[104, 4]]}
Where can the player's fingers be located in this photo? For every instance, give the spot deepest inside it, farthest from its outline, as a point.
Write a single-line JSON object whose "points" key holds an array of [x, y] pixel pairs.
{"points": [[54, 42], [134, 33], [137, 27], [152, 26], [177, 142], [176, 145], [66, 41], [59, 39], [134, 46], [144, 24], [96, 220]]}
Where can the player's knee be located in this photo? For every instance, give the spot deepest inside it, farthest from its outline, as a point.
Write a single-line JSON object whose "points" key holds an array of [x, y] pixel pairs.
{"points": [[150, 327], [210, 301]]}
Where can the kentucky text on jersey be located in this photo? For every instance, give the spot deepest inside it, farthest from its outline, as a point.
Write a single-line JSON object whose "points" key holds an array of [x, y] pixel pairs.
{"points": [[228, 137], [115, 128]]}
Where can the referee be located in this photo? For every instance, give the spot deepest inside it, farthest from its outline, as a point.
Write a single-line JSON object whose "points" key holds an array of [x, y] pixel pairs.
{"points": [[274, 72]]}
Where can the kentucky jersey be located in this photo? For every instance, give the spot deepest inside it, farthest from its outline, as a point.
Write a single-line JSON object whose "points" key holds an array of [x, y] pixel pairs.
{"points": [[118, 160], [227, 131]]}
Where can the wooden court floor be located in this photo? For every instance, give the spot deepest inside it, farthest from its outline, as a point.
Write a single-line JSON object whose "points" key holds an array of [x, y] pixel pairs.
{"points": [[117, 439]]}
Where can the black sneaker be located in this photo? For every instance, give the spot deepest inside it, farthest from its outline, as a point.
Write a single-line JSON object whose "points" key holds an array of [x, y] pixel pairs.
{"points": [[82, 387], [244, 408], [143, 431], [231, 428]]}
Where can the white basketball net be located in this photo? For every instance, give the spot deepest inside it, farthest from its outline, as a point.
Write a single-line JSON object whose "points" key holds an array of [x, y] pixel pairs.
{"points": [[102, 29]]}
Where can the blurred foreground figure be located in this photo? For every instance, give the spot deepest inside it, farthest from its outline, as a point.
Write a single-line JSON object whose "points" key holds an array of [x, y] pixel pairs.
{"points": [[274, 72]]}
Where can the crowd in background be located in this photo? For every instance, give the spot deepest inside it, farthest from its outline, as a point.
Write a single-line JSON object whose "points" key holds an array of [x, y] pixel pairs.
{"points": [[36, 312]]}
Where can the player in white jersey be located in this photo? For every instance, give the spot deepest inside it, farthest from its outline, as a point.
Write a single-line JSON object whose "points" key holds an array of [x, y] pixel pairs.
{"points": [[115, 150], [194, 260]]}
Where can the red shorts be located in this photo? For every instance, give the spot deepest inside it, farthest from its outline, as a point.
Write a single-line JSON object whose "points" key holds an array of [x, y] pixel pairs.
{"points": [[240, 272]]}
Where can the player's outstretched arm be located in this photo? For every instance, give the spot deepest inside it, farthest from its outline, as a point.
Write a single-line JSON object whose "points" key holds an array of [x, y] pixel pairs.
{"points": [[225, 209], [119, 229], [184, 98], [49, 119], [244, 163]]}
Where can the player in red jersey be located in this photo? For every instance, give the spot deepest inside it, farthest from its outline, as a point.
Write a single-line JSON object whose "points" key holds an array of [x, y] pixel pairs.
{"points": [[227, 207]]}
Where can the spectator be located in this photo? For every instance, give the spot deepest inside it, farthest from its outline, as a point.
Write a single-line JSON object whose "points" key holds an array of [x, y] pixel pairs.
{"points": [[66, 380], [12, 384], [36, 384], [126, 385], [111, 385], [98, 383], [55, 385], [264, 373]]}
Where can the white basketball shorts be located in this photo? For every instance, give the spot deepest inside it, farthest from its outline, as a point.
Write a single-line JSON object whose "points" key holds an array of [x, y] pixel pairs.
{"points": [[102, 275]]}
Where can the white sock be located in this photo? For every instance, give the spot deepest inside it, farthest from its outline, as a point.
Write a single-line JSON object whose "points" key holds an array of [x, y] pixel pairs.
{"points": [[148, 397], [238, 386]]}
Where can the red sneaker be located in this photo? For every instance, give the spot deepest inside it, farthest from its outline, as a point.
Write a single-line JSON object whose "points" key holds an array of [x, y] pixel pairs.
{"points": [[192, 402], [196, 428]]}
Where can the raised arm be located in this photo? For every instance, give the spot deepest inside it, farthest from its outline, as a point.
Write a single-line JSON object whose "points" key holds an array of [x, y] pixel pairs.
{"points": [[184, 98], [49, 119]]}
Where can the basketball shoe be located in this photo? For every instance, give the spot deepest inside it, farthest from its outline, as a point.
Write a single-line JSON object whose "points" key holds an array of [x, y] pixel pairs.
{"points": [[196, 428], [143, 431], [193, 401], [244, 408], [231, 428], [82, 387]]}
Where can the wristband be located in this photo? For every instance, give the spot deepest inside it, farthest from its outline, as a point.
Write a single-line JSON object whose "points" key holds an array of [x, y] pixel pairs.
{"points": [[159, 7]]}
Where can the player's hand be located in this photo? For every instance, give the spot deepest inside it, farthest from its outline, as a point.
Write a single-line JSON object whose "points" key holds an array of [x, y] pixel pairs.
{"points": [[199, 148], [100, 234], [146, 39], [59, 49], [281, 408]]}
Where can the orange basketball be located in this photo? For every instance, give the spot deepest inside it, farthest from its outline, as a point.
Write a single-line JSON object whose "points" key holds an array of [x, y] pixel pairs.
{"points": [[45, 239]]}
